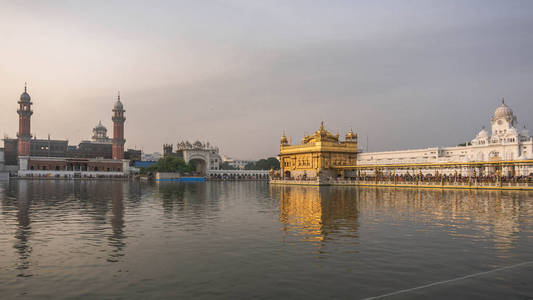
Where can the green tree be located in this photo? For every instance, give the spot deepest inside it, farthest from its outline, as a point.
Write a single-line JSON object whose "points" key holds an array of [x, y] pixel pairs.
{"points": [[226, 166], [263, 164], [170, 164]]}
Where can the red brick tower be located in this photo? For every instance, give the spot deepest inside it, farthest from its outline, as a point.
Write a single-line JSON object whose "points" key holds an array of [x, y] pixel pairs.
{"points": [[25, 112], [118, 130]]}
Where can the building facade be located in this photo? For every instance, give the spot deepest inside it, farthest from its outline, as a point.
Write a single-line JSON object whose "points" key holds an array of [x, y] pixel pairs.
{"points": [[318, 156], [118, 130], [24, 133], [505, 142], [100, 146], [100, 134], [55, 158], [238, 164], [204, 156]]}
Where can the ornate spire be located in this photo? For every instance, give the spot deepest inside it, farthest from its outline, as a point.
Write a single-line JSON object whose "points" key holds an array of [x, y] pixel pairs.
{"points": [[503, 100], [283, 139], [25, 86], [118, 95], [322, 126]]}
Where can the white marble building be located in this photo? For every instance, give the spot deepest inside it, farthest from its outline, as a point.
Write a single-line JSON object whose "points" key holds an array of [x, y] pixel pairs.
{"points": [[205, 155], [505, 142], [236, 163]]}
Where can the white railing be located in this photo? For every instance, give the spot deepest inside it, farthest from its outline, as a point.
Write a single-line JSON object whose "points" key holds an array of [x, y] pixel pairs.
{"points": [[461, 184]]}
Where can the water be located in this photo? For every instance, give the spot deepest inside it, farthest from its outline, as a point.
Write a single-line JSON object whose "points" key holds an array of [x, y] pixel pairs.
{"points": [[120, 240]]}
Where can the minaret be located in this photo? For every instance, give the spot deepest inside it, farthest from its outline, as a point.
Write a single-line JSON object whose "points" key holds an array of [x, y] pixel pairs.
{"points": [[24, 112], [118, 130], [167, 150]]}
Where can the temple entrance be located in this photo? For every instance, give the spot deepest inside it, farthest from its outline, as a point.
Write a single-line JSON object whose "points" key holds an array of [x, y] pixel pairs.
{"points": [[287, 174], [199, 166]]}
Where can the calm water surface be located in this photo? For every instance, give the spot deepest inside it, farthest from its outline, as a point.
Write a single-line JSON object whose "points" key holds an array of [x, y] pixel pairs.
{"points": [[96, 239]]}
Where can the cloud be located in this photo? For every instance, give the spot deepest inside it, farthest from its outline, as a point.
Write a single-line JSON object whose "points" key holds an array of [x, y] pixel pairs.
{"points": [[239, 74]]}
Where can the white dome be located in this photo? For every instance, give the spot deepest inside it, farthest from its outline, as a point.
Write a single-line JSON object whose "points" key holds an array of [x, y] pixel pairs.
{"points": [[100, 127], [524, 132], [504, 112], [118, 105], [25, 97], [483, 134]]}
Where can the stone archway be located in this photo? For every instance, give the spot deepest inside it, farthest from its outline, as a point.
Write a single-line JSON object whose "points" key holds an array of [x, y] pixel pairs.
{"points": [[199, 159], [200, 165]]}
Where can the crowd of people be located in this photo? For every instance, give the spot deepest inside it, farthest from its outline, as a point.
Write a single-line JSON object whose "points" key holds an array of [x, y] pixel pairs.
{"points": [[428, 178], [237, 177], [447, 178]]}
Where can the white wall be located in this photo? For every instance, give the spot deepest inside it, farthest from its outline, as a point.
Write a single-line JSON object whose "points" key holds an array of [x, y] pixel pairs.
{"points": [[50, 173], [238, 172]]}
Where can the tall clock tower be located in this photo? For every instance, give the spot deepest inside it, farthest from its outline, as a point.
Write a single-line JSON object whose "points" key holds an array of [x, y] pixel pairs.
{"points": [[118, 130], [24, 112]]}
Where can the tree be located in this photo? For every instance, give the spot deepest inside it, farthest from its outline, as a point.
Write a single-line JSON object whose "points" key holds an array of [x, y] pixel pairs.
{"points": [[170, 164], [226, 166], [263, 164]]}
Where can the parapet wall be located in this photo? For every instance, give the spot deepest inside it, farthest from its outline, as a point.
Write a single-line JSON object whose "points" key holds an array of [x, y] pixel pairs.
{"points": [[166, 175]]}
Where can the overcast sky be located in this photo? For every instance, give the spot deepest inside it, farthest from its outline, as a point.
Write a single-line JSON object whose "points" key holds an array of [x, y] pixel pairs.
{"points": [[407, 74]]}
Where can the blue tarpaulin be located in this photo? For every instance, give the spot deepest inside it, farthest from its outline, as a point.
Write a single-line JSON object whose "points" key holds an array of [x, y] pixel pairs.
{"points": [[184, 179], [144, 164]]}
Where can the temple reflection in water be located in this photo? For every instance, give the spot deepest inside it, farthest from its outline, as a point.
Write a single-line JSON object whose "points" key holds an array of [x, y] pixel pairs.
{"points": [[85, 207], [322, 213], [313, 212]]}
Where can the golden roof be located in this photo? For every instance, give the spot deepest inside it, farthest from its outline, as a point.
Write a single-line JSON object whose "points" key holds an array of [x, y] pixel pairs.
{"points": [[321, 135], [351, 135], [283, 139]]}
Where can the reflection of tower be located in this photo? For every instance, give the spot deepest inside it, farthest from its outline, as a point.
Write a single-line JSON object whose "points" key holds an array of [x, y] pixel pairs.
{"points": [[24, 112], [117, 222], [118, 130], [314, 213], [167, 150], [23, 232]]}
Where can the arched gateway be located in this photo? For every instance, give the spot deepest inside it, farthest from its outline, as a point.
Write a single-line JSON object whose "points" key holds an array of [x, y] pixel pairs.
{"points": [[199, 160], [203, 156]]}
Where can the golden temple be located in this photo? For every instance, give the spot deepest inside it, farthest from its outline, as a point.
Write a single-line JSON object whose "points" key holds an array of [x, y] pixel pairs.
{"points": [[321, 155]]}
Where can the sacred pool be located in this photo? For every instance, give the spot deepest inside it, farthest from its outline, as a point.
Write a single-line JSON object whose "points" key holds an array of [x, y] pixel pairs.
{"points": [[225, 240]]}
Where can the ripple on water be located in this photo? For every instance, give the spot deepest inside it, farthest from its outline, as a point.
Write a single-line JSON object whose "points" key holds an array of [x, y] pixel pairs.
{"points": [[117, 239]]}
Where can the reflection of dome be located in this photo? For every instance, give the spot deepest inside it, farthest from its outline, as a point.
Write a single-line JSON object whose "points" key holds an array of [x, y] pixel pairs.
{"points": [[25, 97]]}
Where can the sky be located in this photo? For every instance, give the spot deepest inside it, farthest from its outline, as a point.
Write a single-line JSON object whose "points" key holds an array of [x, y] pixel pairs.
{"points": [[238, 73]]}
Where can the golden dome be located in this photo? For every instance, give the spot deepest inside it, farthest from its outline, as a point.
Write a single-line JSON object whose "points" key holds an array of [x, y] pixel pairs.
{"points": [[323, 135], [283, 140], [351, 135]]}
